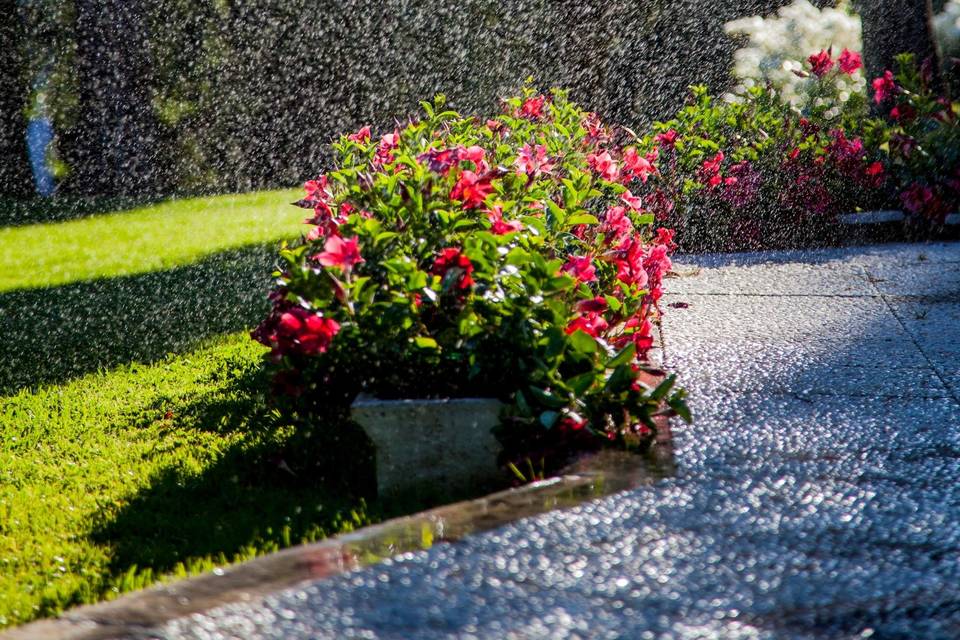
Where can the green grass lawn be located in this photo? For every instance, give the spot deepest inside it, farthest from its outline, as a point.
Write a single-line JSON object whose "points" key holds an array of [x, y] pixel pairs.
{"points": [[136, 438]]}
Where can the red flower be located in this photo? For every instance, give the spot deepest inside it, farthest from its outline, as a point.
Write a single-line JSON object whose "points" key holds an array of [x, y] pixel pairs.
{"points": [[295, 330], [743, 185], [569, 424], [594, 305], [341, 253], [590, 323], [883, 87], [665, 237], [360, 136], [821, 63], [533, 160], [499, 226], [712, 165], [636, 166], [603, 165], [452, 266], [471, 189], [903, 113], [660, 204], [666, 139], [581, 268], [849, 61], [875, 174], [439, 160], [532, 107]]}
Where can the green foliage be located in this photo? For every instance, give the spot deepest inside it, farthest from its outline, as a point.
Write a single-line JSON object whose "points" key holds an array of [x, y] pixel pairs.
{"points": [[457, 258]]}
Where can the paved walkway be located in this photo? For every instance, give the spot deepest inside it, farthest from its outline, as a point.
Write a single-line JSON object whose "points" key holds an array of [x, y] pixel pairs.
{"points": [[817, 494]]}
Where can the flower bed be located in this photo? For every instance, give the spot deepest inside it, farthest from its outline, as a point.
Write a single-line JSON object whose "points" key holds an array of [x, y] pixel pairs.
{"points": [[506, 258], [771, 169]]}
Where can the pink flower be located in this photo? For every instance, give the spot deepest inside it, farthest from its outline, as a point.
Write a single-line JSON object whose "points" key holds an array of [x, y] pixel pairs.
{"points": [[636, 166], [318, 189], [883, 87], [849, 61], [471, 189], [603, 165], [596, 132], [532, 161], [340, 253], [629, 260], [631, 200], [616, 224], [666, 139], [532, 107], [388, 143], [665, 237], [821, 63], [922, 200], [363, 135], [499, 226], [473, 154], [581, 268], [592, 324], [451, 263]]}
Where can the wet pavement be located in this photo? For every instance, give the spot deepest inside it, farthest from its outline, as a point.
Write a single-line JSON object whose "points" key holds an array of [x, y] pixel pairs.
{"points": [[815, 496]]}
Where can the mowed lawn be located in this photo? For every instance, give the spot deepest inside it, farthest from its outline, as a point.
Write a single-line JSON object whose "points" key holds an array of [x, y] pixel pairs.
{"points": [[137, 441]]}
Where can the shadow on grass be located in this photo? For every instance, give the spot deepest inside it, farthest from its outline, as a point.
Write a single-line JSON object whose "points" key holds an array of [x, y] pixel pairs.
{"points": [[14, 213], [56, 333], [278, 486]]}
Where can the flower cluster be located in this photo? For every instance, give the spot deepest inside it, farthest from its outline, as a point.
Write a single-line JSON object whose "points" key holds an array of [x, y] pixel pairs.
{"points": [[508, 257], [779, 46], [759, 172]]}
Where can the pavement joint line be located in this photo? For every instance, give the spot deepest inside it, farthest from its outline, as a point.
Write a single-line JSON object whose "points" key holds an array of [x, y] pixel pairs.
{"points": [[748, 294], [913, 339]]}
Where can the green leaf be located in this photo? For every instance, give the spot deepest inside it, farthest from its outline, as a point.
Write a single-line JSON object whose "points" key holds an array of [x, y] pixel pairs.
{"points": [[582, 218], [621, 379], [647, 218], [425, 342], [663, 388], [625, 356], [581, 384], [583, 342], [546, 398], [680, 407]]}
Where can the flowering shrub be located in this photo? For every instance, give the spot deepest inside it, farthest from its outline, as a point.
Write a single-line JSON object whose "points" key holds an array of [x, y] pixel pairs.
{"points": [[921, 135], [455, 257], [759, 172]]}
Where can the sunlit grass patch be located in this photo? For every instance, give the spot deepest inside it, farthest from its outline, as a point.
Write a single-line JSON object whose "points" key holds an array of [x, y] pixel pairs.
{"points": [[150, 238], [118, 478]]}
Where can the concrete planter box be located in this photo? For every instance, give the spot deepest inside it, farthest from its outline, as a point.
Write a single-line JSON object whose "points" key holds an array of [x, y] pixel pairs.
{"points": [[424, 444]]}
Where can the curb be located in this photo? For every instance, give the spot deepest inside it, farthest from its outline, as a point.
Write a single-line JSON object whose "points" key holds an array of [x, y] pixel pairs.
{"points": [[135, 615]]}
